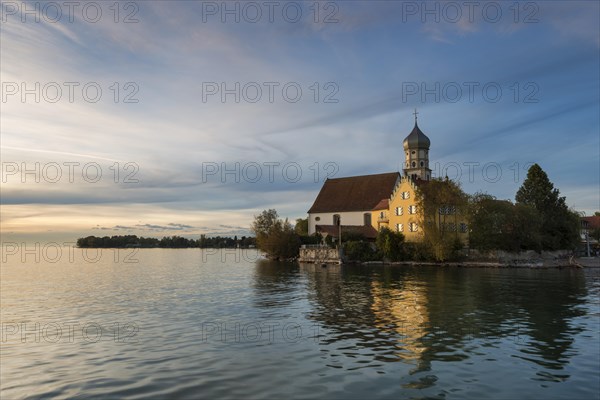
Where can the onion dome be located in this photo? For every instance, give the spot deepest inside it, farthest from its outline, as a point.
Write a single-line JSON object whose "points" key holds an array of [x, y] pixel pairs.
{"points": [[417, 139]]}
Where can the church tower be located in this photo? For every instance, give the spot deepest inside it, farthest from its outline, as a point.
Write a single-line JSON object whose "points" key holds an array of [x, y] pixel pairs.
{"points": [[416, 150]]}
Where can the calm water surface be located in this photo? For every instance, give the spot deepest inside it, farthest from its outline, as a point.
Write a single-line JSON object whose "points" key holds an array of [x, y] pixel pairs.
{"points": [[221, 324]]}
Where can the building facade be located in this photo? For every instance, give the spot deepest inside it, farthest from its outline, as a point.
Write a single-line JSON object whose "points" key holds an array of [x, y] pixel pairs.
{"points": [[383, 200]]}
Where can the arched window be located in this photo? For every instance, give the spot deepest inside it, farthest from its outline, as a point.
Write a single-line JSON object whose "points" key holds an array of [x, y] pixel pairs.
{"points": [[336, 219], [414, 164], [422, 163]]}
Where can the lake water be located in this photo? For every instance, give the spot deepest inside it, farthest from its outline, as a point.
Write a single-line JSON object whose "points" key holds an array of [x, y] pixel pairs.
{"points": [[226, 324]]}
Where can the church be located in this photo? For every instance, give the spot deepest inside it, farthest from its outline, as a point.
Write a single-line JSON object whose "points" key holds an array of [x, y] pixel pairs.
{"points": [[365, 204]]}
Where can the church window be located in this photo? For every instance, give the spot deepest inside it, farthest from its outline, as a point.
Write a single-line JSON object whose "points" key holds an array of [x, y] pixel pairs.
{"points": [[414, 164], [400, 227], [317, 218], [422, 163], [399, 211], [413, 152]]}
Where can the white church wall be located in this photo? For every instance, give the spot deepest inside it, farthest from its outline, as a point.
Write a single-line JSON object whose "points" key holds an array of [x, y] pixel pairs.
{"points": [[348, 218]]}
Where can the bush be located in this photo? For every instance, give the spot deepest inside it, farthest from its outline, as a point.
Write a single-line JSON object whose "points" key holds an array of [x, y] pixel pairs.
{"points": [[418, 251], [391, 245], [359, 251]]}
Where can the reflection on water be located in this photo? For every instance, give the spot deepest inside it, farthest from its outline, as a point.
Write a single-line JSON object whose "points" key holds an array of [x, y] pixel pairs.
{"points": [[468, 317], [190, 322], [404, 311]]}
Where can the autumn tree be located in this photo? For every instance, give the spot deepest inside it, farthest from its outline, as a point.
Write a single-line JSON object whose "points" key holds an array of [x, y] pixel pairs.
{"points": [[441, 203], [274, 236]]}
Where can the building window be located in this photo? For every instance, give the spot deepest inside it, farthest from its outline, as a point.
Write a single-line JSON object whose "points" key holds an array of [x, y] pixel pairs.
{"points": [[406, 195], [413, 227], [422, 163], [413, 152], [412, 209], [317, 218], [336, 219], [367, 219], [400, 227], [414, 164], [447, 210], [399, 210], [463, 227]]}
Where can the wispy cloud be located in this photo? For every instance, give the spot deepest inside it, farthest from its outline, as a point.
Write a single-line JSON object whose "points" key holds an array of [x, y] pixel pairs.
{"points": [[370, 54]]}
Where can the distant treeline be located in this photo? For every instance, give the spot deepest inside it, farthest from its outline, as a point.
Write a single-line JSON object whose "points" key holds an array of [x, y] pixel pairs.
{"points": [[171, 242]]}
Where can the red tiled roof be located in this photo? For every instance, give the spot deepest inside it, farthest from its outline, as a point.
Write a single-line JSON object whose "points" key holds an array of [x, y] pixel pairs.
{"points": [[333, 230], [384, 204], [354, 193], [593, 221]]}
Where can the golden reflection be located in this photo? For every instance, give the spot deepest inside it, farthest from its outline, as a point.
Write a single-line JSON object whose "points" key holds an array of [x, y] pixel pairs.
{"points": [[403, 311]]}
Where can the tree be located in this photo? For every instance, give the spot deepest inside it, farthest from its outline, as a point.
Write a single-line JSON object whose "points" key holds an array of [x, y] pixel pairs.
{"points": [[264, 222], [560, 226], [502, 225], [274, 236], [595, 233], [301, 227], [441, 203], [390, 244]]}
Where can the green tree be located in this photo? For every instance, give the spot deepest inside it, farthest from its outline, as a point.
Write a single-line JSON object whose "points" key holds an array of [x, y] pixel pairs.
{"points": [[560, 226], [390, 244], [301, 227], [502, 225]]}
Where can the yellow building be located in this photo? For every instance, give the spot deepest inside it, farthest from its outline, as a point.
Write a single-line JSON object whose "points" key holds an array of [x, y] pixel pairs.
{"points": [[389, 200], [401, 213]]}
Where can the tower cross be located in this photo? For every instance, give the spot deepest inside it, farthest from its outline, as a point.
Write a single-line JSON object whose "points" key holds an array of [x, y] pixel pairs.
{"points": [[415, 114]]}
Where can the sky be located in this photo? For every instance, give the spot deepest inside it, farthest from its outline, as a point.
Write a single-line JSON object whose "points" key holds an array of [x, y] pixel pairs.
{"points": [[161, 118]]}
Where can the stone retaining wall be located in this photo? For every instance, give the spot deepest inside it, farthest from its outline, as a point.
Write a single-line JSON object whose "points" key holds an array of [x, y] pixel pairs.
{"points": [[319, 255]]}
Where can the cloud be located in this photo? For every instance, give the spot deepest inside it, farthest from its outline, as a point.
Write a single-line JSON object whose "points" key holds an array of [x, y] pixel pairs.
{"points": [[171, 134]]}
